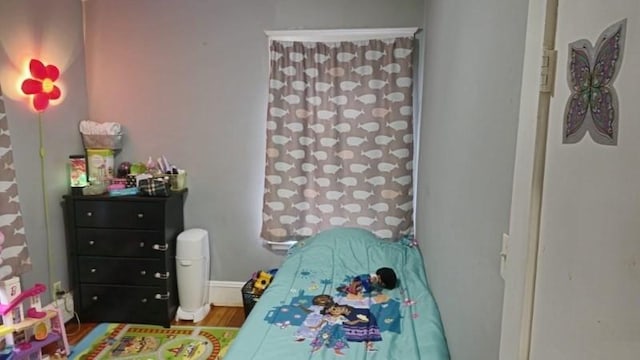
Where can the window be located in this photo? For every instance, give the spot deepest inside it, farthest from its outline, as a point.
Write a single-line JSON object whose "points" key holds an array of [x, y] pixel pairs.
{"points": [[339, 137]]}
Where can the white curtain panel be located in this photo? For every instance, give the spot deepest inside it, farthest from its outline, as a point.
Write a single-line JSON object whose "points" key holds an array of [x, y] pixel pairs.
{"points": [[339, 138]]}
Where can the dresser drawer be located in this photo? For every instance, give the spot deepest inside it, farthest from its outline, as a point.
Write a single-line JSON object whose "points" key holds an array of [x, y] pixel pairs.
{"points": [[114, 242], [124, 271], [114, 214], [130, 304]]}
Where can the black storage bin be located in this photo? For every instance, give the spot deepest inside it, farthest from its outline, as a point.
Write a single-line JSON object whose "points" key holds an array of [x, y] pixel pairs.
{"points": [[248, 297]]}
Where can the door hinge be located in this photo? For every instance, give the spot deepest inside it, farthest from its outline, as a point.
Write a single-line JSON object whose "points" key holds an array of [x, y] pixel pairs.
{"points": [[504, 253], [548, 71]]}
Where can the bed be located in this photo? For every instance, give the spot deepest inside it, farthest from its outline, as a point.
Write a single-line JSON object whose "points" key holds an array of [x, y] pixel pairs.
{"points": [[291, 322]]}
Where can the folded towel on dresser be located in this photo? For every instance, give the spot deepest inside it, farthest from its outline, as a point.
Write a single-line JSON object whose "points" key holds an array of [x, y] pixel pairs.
{"points": [[89, 127]]}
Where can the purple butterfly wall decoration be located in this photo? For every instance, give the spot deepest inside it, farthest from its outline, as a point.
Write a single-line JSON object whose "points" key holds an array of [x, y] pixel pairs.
{"points": [[593, 104]]}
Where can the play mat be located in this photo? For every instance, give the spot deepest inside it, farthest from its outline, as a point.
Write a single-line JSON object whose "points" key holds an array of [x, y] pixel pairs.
{"points": [[137, 342]]}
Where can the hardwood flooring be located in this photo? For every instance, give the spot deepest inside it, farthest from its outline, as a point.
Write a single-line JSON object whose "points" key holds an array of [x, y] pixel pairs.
{"points": [[218, 316]]}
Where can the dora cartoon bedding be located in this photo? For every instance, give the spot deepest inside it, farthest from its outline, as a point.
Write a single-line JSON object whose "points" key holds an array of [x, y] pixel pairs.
{"points": [[318, 308]]}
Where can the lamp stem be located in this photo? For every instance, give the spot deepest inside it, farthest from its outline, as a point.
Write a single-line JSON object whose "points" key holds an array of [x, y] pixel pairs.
{"points": [[42, 154], [46, 204]]}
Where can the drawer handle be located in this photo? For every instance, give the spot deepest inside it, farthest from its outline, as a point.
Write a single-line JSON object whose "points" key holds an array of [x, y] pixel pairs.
{"points": [[162, 276], [144, 300], [93, 270], [143, 272], [160, 247], [89, 214], [140, 215], [141, 244], [163, 296], [94, 298], [91, 242]]}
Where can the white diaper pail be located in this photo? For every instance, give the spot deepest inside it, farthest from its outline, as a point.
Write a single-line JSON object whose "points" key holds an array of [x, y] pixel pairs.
{"points": [[192, 266]]}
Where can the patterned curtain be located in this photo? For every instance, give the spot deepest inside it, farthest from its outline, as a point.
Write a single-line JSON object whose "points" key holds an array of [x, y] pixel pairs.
{"points": [[14, 255], [339, 138]]}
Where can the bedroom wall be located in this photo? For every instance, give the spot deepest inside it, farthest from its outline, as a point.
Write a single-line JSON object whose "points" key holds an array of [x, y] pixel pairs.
{"points": [[188, 79], [473, 63], [52, 31]]}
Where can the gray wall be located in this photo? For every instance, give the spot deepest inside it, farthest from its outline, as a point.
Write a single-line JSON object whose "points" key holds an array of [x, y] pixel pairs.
{"points": [[52, 31], [472, 75], [189, 79]]}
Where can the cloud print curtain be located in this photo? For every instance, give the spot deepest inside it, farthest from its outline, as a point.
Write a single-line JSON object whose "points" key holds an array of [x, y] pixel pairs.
{"points": [[14, 255], [339, 138]]}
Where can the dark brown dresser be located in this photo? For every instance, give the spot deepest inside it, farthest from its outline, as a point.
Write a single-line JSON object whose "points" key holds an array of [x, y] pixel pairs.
{"points": [[122, 257]]}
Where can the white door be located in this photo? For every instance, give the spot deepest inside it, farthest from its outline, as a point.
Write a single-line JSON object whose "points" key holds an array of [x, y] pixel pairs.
{"points": [[586, 298]]}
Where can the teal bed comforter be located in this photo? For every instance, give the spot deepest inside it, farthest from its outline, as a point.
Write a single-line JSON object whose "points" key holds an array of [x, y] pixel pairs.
{"points": [[292, 321]]}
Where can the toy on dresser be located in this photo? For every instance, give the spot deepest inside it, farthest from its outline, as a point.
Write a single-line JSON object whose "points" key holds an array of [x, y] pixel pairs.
{"points": [[38, 335]]}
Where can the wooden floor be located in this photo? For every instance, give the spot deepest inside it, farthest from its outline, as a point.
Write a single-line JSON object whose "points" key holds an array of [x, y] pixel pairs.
{"points": [[218, 316]]}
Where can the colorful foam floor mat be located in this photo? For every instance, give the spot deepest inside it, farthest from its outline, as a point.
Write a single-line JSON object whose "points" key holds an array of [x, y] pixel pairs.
{"points": [[138, 342]]}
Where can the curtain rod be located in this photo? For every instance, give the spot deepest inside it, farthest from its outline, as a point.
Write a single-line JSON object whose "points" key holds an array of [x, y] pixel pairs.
{"points": [[340, 34]]}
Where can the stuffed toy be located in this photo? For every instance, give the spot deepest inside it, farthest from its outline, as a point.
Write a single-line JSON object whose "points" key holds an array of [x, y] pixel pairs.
{"points": [[383, 278], [261, 282]]}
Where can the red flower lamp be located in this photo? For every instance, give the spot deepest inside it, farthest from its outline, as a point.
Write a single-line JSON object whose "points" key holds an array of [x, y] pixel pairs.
{"points": [[42, 89], [41, 84]]}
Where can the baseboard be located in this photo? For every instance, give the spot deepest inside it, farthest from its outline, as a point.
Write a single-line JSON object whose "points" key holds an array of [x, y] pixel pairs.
{"points": [[225, 293]]}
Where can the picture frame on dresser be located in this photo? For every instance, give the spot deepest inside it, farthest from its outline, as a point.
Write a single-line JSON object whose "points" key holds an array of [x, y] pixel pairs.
{"points": [[121, 253]]}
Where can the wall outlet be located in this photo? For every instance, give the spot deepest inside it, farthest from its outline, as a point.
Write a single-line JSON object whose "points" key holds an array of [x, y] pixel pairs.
{"points": [[65, 304], [57, 288]]}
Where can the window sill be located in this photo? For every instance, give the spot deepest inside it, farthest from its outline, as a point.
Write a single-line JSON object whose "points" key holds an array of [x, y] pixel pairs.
{"points": [[281, 245]]}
